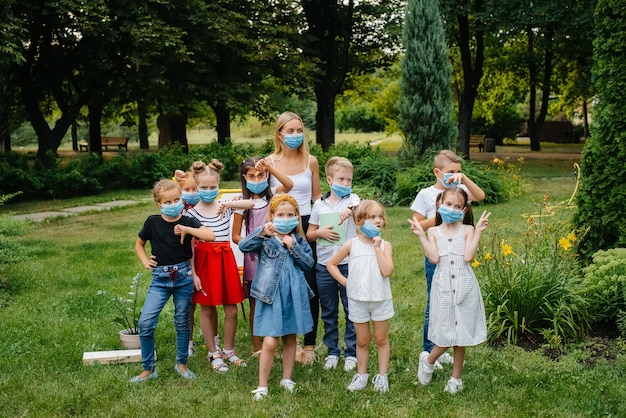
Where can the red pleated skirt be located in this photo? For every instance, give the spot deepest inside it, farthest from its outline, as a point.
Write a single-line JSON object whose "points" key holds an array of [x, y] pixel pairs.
{"points": [[216, 266]]}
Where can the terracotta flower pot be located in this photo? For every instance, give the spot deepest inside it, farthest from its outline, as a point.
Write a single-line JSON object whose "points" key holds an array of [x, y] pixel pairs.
{"points": [[129, 339]]}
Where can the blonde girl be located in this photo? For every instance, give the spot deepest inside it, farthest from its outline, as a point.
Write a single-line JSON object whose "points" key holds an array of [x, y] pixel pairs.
{"points": [[279, 287], [368, 290], [170, 235], [218, 275], [291, 156]]}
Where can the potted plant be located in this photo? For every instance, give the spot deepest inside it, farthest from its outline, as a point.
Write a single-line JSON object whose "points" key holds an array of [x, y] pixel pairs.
{"points": [[128, 314]]}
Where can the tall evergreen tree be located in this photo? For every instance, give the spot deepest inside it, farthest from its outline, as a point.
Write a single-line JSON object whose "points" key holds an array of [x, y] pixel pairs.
{"points": [[602, 189], [425, 107]]}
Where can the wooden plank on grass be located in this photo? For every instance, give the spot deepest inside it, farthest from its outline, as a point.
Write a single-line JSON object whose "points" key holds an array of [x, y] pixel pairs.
{"points": [[112, 357]]}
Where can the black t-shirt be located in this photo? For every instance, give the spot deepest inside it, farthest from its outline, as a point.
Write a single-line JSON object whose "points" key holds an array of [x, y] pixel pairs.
{"points": [[165, 244]]}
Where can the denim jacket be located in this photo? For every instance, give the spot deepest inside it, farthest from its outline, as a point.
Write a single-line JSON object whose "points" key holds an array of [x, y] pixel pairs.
{"points": [[274, 262]]}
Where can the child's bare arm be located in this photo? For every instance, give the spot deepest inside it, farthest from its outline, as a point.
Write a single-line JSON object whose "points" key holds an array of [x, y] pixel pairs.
{"points": [[430, 247], [473, 238], [140, 249], [333, 264], [474, 192], [203, 233], [235, 233], [424, 222], [237, 204], [384, 258], [285, 180]]}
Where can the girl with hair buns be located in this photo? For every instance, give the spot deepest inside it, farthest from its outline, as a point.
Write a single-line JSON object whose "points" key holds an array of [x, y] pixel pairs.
{"points": [[218, 280], [291, 156]]}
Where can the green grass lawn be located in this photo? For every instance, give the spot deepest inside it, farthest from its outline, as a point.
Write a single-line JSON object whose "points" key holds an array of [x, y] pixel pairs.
{"points": [[54, 315]]}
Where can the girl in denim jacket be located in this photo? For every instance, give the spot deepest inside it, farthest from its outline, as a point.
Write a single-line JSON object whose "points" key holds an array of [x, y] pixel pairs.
{"points": [[279, 286]]}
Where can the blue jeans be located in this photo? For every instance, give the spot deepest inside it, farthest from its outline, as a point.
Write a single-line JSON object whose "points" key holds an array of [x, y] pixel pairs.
{"points": [[429, 269], [330, 291], [175, 281]]}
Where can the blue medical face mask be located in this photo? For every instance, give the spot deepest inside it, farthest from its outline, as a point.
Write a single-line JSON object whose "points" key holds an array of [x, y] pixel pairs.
{"points": [[285, 225], [172, 210], [446, 177], [208, 196], [449, 215], [369, 230], [341, 190], [191, 198], [294, 141], [256, 187]]}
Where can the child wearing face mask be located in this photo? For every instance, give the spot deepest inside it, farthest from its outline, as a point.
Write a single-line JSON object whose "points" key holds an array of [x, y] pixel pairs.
{"points": [[369, 291], [447, 170], [279, 287], [255, 173], [457, 312], [338, 203], [170, 235], [218, 275]]}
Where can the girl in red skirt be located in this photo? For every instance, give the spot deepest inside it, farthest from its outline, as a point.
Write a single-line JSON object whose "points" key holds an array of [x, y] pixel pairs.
{"points": [[215, 265]]}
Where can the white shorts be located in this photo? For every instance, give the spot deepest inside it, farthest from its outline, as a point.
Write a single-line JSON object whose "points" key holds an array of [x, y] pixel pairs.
{"points": [[360, 311]]}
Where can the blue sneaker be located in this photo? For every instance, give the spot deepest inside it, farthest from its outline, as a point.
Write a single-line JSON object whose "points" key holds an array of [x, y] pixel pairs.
{"points": [[138, 379]]}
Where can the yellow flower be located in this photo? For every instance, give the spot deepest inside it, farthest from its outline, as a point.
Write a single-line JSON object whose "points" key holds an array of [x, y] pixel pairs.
{"points": [[506, 249], [565, 243], [520, 159], [495, 160], [488, 256], [571, 236], [475, 263]]}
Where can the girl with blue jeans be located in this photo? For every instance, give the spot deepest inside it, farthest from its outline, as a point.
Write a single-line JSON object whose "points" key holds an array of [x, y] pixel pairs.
{"points": [[170, 235]]}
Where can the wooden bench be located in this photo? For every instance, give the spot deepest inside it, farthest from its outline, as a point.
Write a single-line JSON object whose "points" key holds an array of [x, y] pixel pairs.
{"points": [[477, 141], [108, 141]]}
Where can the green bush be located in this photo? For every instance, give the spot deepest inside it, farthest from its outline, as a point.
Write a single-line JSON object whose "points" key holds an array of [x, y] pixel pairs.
{"points": [[604, 281], [360, 118], [534, 287]]}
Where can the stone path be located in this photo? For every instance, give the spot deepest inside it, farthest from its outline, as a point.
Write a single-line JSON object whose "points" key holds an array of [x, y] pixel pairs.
{"points": [[96, 207]]}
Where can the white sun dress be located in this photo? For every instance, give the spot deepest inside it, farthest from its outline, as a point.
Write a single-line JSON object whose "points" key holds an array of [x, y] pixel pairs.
{"points": [[457, 312]]}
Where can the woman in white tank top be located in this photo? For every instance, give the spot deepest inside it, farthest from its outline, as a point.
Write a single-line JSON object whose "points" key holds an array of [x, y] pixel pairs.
{"points": [[291, 156]]}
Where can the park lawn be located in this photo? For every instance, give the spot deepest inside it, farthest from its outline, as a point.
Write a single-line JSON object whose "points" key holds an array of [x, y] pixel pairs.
{"points": [[55, 315]]}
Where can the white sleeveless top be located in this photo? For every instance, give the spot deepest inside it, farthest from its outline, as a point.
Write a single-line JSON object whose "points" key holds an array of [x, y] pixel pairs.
{"points": [[365, 281], [302, 189]]}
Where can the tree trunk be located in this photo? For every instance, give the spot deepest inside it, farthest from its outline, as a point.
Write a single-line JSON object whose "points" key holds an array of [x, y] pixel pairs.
{"points": [[95, 132], [325, 119], [74, 136], [472, 74], [585, 119], [143, 125], [533, 133], [172, 128], [222, 116], [5, 133], [48, 139]]}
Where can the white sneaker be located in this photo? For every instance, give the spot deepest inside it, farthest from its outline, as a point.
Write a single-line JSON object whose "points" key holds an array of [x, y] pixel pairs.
{"points": [[425, 370], [331, 362], [259, 393], [453, 386], [446, 358], [190, 348], [381, 384], [349, 363], [288, 384], [359, 381]]}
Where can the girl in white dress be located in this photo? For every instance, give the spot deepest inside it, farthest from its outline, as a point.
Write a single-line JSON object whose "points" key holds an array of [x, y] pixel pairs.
{"points": [[368, 291], [457, 312]]}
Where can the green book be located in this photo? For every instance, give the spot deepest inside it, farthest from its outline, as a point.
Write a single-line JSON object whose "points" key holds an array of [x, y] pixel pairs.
{"points": [[333, 219]]}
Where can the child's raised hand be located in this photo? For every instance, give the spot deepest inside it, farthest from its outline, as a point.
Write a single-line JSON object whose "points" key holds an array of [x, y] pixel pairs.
{"points": [[416, 227], [455, 178], [269, 229], [483, 222], [262, 165], [221, 209], [287, 241], [377, 239], [179, 175], [345, 214]]}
